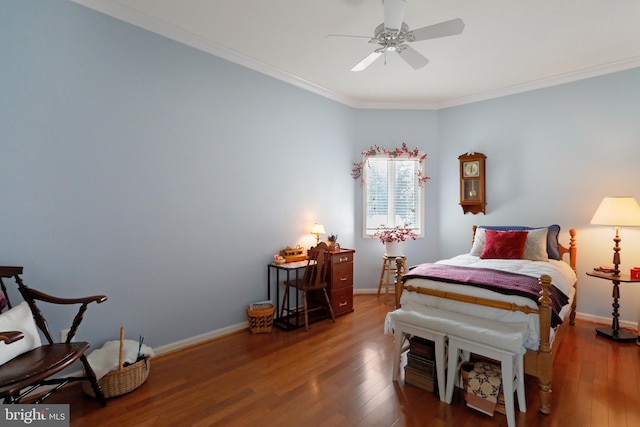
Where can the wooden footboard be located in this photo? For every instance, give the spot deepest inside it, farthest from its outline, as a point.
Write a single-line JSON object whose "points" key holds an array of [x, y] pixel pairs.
{"points": [[537, 363]]}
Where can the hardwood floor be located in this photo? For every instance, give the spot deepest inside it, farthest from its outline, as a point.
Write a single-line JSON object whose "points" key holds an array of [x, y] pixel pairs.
{"points": [[340, 375]]}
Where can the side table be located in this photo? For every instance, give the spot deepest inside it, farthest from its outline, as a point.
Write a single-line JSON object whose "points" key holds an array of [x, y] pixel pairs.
{"points": [[614, 332]]}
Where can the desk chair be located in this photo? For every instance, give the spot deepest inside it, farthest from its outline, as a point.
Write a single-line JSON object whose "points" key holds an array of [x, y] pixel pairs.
{"points": [[314, 279]]}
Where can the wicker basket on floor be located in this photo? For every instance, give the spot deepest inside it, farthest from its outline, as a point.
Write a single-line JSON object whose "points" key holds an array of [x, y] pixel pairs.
{"points": [[260, 320], [122, 380]]}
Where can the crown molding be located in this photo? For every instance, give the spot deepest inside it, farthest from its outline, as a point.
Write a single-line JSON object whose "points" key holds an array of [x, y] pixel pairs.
{"points": [[123, 13], [399, 105], [587, 73]]}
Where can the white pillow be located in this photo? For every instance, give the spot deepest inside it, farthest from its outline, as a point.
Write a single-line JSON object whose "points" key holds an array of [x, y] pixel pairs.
{"points": [[478, 242], [535, 248], [19, 318]]}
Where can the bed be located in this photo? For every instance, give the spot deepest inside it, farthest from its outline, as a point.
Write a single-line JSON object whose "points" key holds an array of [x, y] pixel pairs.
{"points": [[518, 256]]}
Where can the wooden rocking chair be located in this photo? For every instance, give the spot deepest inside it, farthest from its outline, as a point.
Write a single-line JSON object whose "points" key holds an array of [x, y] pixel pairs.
{"points": [[35, 368]]}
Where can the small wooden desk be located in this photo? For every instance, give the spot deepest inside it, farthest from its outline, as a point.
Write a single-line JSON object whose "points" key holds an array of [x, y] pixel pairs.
{"points": [[288, 267], [614, 332]]}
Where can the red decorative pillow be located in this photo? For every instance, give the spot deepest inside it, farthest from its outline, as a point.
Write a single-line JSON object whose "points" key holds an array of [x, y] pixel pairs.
{"points": [[504, 244]]}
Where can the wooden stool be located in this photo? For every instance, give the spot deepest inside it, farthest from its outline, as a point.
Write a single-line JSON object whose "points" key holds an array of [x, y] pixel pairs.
{"points": [[388, 274]]}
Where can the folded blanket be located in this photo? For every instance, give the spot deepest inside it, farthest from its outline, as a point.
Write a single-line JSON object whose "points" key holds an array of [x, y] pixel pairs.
{"points": [[484, 387], [105, 359]]}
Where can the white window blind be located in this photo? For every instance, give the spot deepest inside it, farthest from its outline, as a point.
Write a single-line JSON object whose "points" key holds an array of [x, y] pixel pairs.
{"points": [[392, 194]]}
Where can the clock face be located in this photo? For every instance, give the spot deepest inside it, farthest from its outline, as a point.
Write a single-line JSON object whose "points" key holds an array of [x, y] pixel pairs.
{"points": [[471, 169]]}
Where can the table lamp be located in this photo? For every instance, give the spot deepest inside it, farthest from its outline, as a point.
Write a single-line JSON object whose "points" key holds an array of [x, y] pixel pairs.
{"points": [[317, 229], [617, 212]]}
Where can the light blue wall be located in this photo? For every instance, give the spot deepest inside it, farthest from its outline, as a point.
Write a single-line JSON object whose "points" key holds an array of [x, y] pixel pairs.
{"points": [[161, 176], [166, 178], [552, 155]]}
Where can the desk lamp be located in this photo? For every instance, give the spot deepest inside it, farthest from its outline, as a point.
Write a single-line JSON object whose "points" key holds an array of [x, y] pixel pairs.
{"points": [[317, 229], [617, 212]]}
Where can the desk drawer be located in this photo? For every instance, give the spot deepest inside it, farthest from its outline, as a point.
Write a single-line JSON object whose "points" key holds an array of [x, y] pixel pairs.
{"points": [[342, 301], [340, 258], [342, 275]]}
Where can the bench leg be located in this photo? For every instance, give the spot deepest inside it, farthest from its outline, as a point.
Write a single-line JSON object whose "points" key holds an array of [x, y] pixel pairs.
{"points": [[440, 361], [506, 366], [522, 402], [452, 373], [398, 335]]}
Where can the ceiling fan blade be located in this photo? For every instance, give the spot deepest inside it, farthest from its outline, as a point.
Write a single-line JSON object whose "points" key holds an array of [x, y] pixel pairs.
{"points": [[343, 36], [367, 61], [394, 13], [443, 29], [413, 57]]}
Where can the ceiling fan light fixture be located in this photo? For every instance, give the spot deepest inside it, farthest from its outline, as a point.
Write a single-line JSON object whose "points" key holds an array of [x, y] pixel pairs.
{"points": [[393, 33]]}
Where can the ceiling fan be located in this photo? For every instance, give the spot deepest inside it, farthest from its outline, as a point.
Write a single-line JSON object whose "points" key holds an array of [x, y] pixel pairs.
{"points": [[393, 34]]}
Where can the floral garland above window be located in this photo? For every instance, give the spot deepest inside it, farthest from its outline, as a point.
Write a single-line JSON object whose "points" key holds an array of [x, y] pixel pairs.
{"points": [[356, 172]]}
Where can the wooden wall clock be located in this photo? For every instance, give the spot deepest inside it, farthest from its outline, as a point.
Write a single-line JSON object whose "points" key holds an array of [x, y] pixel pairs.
{"points": [[472, 183]]}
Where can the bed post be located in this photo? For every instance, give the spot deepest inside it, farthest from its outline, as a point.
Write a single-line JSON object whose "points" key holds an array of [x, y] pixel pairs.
{"points": [[573, 251], [544, 352], [399, 270]]}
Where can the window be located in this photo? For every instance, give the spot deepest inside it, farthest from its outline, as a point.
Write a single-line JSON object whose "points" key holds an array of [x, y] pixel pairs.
{"points": [[393, 193]]}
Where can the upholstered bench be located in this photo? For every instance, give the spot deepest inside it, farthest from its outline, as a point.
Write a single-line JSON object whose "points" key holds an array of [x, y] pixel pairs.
{"points": [[463, 334]]}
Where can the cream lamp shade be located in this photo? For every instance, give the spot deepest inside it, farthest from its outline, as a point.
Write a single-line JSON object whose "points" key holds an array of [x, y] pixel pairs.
{"points": [[617, 212], [317, 229]]}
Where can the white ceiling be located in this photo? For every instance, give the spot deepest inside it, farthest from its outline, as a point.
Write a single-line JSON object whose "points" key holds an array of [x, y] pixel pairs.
{"points": [[508, 46]]}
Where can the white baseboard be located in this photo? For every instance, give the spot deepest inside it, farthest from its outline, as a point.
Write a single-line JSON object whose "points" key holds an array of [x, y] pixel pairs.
{"points": [[198, 339], [373, 291], [628, 324]]}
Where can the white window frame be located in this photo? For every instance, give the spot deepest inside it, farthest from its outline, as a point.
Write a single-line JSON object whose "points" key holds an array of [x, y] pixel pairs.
{"points": [[392, 220]]}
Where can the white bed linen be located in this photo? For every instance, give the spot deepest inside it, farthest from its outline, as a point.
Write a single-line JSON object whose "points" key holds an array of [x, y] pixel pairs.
{"points": [[562, 276]]}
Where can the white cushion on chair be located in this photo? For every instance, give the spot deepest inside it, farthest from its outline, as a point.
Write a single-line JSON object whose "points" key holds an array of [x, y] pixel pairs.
{"points": [[19, 318]]}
